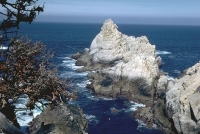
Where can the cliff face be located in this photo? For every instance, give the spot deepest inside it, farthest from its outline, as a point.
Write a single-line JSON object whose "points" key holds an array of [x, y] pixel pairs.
{"points": [[121, 64], [131, 57], [183, 101]]}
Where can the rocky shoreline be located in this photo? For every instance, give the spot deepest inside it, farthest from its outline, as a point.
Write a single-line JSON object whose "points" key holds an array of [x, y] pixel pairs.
{"points": [[59, 119], [128, 66]]}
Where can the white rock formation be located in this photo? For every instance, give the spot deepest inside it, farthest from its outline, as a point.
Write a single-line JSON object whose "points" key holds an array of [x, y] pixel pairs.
{"points": [[133, 57], [183, 101]]}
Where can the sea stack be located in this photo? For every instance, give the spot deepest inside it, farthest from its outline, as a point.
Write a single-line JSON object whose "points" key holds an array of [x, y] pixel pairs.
{"points": [[127, 66], [121, 65]]}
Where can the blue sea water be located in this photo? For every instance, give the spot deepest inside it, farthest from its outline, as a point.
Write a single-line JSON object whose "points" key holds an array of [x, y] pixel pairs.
{"points": [[179, 47]]}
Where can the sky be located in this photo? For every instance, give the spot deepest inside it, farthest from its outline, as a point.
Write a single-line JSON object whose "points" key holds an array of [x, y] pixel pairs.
{"points": [[172, 12]]}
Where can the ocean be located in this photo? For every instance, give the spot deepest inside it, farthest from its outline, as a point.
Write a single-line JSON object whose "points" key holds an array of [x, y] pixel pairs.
{"points": [[178, 46]]}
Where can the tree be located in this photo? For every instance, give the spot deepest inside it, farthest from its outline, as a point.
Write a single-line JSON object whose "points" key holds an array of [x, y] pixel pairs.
{"points": [[15, 12], [27, 71], [25, 68]]}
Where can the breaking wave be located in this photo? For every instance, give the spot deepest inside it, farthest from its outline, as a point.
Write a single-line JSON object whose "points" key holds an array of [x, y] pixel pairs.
{"points": [[91, 118], [3, 47], [158, 52]]}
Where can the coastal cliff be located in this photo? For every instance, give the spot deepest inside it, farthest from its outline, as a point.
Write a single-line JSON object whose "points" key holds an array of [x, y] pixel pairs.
{"points": [[183, 101]]}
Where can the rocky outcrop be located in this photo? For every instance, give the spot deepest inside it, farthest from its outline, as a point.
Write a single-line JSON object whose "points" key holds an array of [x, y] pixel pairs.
{"points": [[121, 64], [63, 119], [183, 101], [7, 127], [127, 66]]}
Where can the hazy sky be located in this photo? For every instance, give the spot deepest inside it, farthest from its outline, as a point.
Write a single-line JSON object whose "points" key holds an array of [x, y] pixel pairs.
{"points": [[122, 11]]}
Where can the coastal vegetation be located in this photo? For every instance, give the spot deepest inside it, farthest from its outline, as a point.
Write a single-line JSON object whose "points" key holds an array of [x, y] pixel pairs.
{"points": [[25, 66]]}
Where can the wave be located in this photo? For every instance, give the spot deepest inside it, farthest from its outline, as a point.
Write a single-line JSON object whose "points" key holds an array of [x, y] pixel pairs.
{"points": [[83, 84], [170, 78], [66, 58], [95, 98], [24, 115], [91, 118], [177, 71], [158, 52], [70, 63], [106, 99], [3, 47], [70, 74], [132, 106], [141, 124]]}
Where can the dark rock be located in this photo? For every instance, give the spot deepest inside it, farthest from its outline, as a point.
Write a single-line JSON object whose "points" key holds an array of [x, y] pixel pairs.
{"points": [[80, 63], [7, 127], [8, 111], [44, 129], [68, 119], [77, 55]]}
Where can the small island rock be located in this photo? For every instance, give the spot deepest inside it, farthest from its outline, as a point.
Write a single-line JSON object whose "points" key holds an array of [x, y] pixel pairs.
{"points": [[120, 64]]}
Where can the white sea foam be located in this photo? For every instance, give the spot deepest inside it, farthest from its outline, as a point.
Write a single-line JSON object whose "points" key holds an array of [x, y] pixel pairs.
{"points": [[83, 84], [3, 47], [91, 118], [24, 115], [106, 99], [89, 82], [158, 52], [171, 56], [140, 123], [154, 126], [66, 58], [133, 106], [177, 71], [93, 98], [170, 78], [70, 74], [70, 63]]}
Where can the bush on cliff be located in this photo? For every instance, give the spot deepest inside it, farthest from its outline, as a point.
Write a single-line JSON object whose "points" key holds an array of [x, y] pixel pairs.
{"points": [[24, 66], [27, 70]]}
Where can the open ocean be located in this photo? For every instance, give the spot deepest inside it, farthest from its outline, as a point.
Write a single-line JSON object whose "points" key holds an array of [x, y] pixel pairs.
{"points": [[178, 46]]}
